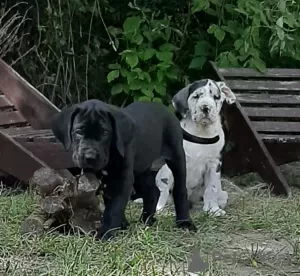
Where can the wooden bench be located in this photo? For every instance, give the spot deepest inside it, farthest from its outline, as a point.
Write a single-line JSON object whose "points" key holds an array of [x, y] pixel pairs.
{"points": [[26, 141], [264, 124]]}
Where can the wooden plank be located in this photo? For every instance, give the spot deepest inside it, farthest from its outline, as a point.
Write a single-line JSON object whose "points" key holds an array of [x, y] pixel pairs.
{"points": [[53, 154], [272, 112], [269, 73], [32, 134], [258, 85], [234, 163], [11, 118], [16, 160], [15, 131], [276, 127], [4, 103], [279, 139], [251, 146], [284, 153], [269, 99], [34, 106]]}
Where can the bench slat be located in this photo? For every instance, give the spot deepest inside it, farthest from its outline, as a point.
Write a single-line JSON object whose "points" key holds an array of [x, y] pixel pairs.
{"points": [[273, 138], [276, 127], [246, 85], [272, 99], [4, 103], [270, 73], [272, 112], [11, 118]]}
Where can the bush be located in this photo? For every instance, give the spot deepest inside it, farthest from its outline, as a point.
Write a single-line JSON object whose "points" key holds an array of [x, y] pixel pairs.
{"points": [[145, 50]]}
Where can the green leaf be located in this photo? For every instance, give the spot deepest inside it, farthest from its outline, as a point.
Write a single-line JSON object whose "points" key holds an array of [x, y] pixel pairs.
{"points": [[139, 72], [148, 53], [131, 24], [124, 72], [165, 56], [164, 65], [168, 47], [114, 66], [242, 11], [131, 77], [232, 59], [136, 85], [279, 22], [197, 63], [223, 61], [117, 88], [238, 44], [132, 59], [199, 5], [112, 75], [114, 31], [282, 6], [172, 73], [147, 90], [157, 100], [219, 34], [259, 64], [168, 33], [160, 75], [212, 28], [201, 48], [147, 76], [144, 99], [160, 89], [137, 39], [280, 32]]}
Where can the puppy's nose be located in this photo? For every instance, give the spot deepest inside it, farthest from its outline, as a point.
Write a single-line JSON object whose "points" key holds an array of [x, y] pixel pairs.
{"points": [[91, 158], [205, 108]]}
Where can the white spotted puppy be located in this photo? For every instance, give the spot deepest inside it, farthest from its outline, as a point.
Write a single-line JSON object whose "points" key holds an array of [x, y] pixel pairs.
{"points": [[200, 104]]}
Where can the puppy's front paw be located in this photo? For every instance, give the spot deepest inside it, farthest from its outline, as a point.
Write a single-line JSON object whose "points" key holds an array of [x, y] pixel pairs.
{"points": [[148, 220], [222, 199], [186, 224], [124, 224], [138, 201], [218, 213], [214, 211], [104, 235]]}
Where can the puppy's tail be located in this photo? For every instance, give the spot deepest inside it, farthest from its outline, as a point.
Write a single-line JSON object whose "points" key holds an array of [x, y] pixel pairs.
{"points": [[199, 140]]}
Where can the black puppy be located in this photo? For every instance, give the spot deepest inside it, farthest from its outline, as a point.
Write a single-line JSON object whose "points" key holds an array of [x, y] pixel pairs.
{"points": [[126, 142]]}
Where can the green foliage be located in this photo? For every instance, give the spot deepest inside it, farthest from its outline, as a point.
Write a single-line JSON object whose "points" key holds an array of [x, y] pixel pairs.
{"points": [[147, 50], [145, 63]]}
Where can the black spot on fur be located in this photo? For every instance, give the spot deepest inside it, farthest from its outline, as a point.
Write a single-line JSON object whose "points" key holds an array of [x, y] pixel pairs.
{"points": [[164, 180], [197, 84], [219, 167]]}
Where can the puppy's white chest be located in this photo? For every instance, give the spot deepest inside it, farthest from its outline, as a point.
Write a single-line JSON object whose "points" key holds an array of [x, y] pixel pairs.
{"points": [[203, 153]]}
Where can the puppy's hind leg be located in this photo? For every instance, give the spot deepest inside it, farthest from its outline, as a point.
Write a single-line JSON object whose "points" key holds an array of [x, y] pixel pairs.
{"points": [[150, 194], [164, 182], [178, 167]]}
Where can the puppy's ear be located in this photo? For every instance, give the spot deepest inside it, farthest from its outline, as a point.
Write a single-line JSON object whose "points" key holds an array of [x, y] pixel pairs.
{"points": [[62, 124], [124, 129], [230, 98], [180, 101]]}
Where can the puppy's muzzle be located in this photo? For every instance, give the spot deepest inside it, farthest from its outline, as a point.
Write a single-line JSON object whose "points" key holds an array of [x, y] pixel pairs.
{"points": [[205, 109], [91, 158]]}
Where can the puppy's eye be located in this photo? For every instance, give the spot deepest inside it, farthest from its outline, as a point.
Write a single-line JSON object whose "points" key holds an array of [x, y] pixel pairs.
{"points": [[217, 97], [79, 131], [105, 132], [196, 96]]}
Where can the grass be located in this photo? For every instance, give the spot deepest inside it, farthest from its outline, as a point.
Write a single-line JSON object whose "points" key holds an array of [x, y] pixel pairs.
{"points": [[259, 235]]}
